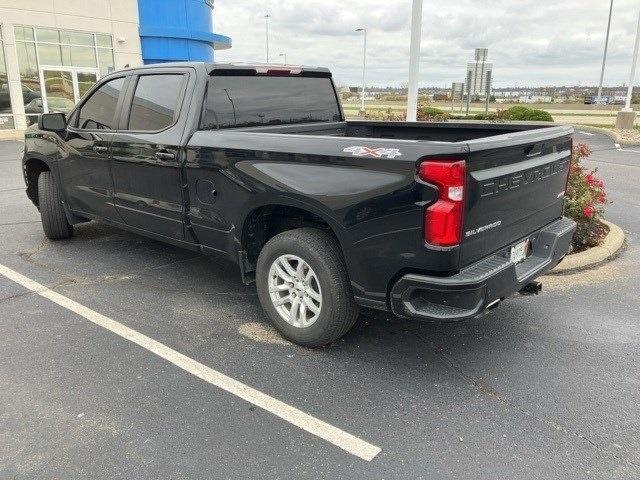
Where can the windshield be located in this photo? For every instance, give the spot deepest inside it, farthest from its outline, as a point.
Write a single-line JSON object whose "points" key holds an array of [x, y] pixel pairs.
{"points": [[246, 101]]}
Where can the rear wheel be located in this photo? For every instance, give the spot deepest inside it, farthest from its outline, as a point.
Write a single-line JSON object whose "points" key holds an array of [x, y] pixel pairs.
{"points": [[54, 220], [304, 288]]}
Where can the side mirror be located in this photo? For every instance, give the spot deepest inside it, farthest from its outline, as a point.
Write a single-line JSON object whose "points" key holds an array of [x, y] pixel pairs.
{"points": [[52, 122]]}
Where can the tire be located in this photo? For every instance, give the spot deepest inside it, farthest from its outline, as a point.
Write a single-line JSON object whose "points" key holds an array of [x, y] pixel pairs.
{"points": [[320, 252], [54, 220]]}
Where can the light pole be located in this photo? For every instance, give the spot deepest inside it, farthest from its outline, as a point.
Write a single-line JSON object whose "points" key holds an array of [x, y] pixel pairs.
{"points": [[364, 66], [266, 24], [414, 60], [285, 57], [627, 116], [604, 56]]}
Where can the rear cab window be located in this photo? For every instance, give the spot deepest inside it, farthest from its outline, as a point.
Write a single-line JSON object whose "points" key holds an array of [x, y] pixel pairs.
{"points": [[156, 101], [236, 100]]}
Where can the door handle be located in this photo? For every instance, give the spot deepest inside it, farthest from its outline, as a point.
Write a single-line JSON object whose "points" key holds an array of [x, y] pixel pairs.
{"points": [[165, 156], [100, 149]]}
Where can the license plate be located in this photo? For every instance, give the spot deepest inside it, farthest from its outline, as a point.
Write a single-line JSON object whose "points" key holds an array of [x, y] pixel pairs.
{"points": [[519, 251]]}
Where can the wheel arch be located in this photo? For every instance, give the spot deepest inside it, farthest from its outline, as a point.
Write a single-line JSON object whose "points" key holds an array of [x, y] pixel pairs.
{"points": [[32, 168], [265, 220]]}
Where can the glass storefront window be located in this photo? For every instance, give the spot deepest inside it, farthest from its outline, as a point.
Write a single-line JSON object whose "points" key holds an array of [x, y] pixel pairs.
{"points": [[29, 77], [83, 57], [67, 55], [103, 40], [5, 99], [23, 33], [105, 61], [6, 120], [77, 56], [47, 35], [27, 60], [70, 61], [85, 82], [58, 86], [76, 38], [49, 54]]}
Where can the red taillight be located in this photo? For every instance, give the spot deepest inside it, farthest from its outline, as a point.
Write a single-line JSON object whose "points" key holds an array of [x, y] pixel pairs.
{"points": [[443, 219]]}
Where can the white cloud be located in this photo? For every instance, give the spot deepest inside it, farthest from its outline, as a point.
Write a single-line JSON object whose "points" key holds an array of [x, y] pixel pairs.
{"points": [[531, 42]]}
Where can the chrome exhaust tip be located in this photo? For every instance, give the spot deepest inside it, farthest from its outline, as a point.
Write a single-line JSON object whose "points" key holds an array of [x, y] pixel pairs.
{"points": [[493, 304]]}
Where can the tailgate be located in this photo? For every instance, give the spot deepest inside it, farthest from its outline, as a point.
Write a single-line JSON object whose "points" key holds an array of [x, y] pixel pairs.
{"points": [[516, 185]]}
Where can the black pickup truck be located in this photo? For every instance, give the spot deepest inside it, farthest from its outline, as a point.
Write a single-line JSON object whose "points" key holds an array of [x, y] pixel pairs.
{"points": [[434, 221]]}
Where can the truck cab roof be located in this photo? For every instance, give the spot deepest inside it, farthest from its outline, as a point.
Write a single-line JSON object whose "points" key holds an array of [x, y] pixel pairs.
{"points": [[264, 68]]}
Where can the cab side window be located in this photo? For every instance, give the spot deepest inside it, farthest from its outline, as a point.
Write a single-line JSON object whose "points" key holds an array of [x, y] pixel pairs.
{"points": [[155, 102], [98, 112]]}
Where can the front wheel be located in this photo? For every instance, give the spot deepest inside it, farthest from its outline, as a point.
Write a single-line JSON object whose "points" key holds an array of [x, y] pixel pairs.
{"points": [[304, 287], [54, 220]]}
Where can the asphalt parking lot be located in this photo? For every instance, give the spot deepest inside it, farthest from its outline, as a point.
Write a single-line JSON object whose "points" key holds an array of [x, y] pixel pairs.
{"points": [[542, 387]]}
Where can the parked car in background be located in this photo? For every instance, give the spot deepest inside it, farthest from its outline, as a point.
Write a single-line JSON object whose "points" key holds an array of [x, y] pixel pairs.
{"points": [[593, 99], [55, 104]]}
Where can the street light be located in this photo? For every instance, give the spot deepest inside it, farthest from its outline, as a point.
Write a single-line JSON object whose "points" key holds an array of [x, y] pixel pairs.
{"points": [[285, 57], [626, 116], [604, 56], [364, 66], [266, 24], [414, 60]]}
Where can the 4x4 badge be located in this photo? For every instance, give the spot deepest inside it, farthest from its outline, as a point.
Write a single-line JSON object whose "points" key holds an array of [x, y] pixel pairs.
{"points": [[360, 151]]}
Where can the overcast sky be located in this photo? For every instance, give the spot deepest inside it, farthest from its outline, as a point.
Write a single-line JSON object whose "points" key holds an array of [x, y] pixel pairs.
{"points": [[531, 42]]}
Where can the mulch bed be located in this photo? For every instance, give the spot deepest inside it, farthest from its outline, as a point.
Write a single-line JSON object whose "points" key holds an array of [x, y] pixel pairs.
{"points": [[598, 234]]}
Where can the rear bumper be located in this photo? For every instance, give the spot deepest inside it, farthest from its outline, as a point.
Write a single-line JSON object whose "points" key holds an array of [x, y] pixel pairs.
{"points": [[484, 283]]}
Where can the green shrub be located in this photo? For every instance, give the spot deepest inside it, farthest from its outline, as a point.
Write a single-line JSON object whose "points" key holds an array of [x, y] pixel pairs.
{"points": [[484, 116], [387, 115], [524, 114], [432, 114], [516, 113]]}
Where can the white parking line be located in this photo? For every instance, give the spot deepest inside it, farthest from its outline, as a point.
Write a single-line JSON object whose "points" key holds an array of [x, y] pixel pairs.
{"points": [[586, 133], [627, 150], [313, 425]]}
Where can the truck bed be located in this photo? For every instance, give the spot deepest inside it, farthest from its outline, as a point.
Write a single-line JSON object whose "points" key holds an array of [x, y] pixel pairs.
{"points": [[516, 173]]}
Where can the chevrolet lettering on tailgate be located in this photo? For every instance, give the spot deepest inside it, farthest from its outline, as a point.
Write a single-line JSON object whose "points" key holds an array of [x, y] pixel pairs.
{"points": [[525, 177]]}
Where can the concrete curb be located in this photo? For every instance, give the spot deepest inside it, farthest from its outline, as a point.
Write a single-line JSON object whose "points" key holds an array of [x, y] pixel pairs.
{"points": [[610, 248], [612, 135], [12, 135]]}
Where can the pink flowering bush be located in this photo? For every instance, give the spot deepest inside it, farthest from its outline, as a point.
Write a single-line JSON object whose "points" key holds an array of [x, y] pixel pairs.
{"points": [[585, 201]]}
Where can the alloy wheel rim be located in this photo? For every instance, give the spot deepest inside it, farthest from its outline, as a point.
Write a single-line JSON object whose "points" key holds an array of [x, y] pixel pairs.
{"points": [[295, 291]]}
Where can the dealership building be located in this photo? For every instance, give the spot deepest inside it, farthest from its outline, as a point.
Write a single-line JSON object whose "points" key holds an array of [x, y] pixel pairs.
{"points": [[53, 51]]}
